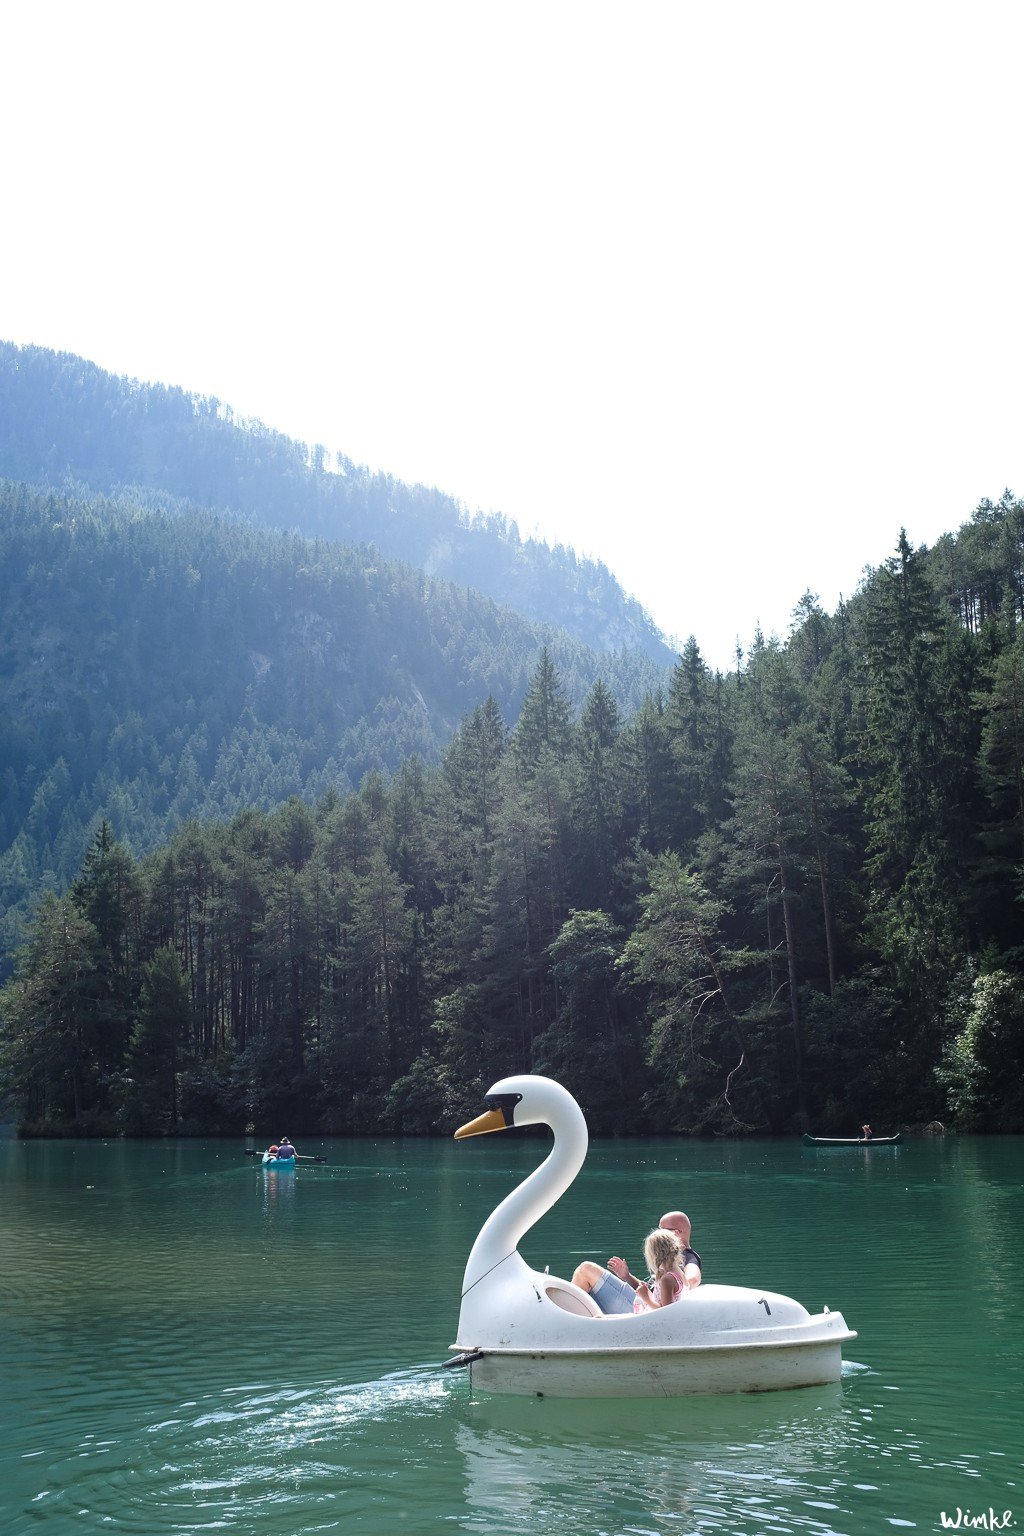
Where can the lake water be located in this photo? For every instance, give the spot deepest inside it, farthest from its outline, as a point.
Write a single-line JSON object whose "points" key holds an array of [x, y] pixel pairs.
{"points": [[192, 1345]]}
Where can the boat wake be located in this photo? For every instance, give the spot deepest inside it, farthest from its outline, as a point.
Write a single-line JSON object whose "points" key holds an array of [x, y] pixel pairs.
{"points": [[262, 1456]]}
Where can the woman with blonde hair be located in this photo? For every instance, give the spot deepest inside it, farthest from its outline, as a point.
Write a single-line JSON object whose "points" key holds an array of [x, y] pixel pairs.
{"points": [[663, 1253]]}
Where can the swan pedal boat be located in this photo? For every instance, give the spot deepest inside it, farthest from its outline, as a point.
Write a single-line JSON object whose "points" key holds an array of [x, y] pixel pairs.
{"points": [[528, 1333]]}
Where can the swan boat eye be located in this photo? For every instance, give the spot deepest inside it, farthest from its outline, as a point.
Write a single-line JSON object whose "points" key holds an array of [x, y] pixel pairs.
{"points": [[505, 1104]]}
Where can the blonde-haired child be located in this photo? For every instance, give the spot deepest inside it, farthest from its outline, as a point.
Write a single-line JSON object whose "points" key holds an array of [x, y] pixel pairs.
{"points": [[663, 1253]]}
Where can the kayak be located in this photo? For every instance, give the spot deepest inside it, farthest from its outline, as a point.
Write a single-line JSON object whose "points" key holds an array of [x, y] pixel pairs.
{"points": [[278, 1162], [853, 1141]]}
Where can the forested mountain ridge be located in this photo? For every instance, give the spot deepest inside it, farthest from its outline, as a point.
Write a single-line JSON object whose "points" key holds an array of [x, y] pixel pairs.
{"points": [[786, 897], [64, 419], [157, 667]]}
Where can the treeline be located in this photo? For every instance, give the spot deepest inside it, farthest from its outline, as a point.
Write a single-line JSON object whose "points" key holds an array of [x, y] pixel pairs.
{"points": [[787, 896], [159, 666], [65, 420]]}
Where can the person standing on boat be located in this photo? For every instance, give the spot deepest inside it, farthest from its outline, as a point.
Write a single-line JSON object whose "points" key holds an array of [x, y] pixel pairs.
{"points": [[614, 1289], [867, 1133]]}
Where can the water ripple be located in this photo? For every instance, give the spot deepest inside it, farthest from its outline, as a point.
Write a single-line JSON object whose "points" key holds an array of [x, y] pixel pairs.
{"points": [[189, 1347]]}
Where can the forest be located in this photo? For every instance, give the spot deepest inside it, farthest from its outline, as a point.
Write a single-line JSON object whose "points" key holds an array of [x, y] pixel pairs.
{"points": [[161, 663], [784, 897], [66, 424]]}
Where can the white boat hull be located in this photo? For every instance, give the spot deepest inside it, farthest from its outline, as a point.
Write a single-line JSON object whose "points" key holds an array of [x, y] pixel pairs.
{"points": [[718, 1338], [531, 1334], [665, 1373]]}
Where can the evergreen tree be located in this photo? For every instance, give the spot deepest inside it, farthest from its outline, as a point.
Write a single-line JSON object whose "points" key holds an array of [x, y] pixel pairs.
{"points": [[48, 1059], [108, 893], [767, 861], [827, 795], [596, 799], [841, 936], [647, 768], [913, 783], [544, 726], [159, 1047], [1002, 745], [592, 1047], [705, 1075], [701, 749]]}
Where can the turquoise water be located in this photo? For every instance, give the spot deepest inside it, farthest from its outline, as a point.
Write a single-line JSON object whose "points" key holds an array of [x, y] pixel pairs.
{"points": [[191, 1344]]}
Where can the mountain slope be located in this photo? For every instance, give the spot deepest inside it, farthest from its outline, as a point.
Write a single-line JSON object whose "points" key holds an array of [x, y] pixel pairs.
{"points": [[62, 418], [155, 667]]}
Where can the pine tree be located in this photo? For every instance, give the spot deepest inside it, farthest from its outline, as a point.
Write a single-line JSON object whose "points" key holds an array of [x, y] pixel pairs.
{"points": [[593, 1045], [596, 800], [160, 1045], [914, 780], [1002, 742], [544, 727], [647, 768], [108, 893], [701, 749], [767, 860], [48, 1060]]}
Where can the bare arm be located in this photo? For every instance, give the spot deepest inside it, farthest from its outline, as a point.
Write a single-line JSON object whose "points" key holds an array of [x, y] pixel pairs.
{"points": [[668, 1283], [621, 1268]]}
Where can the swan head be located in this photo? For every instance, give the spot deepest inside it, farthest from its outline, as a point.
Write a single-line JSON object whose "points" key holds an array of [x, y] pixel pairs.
{"points": [[525, 1100]]}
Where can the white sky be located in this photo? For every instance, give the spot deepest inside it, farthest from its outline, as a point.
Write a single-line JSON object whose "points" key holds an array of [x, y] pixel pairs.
{"points": [[722, 294]]}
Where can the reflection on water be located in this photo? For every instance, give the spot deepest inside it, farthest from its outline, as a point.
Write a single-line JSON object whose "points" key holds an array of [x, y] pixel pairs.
{"points": [[267, 1458], [192, 1344], [688, 1460]]}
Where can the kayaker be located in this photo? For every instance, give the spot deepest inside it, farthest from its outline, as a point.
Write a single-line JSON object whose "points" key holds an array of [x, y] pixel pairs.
{"points": [[286, 1149]]}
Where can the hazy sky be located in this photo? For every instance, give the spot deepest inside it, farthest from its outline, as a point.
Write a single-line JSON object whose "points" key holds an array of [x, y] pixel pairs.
{"points": [[721, 294]]}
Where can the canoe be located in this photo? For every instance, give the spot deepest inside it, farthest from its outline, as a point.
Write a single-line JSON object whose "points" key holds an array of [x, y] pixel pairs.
{"points": [[852, 1141], [279, 1162]]}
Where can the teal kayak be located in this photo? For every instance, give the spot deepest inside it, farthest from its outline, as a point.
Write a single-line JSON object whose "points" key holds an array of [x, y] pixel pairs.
{"points": [[284, 1163]]}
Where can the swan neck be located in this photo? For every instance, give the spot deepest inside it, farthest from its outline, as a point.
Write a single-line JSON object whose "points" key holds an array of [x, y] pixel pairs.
{"points": [[509, 1222]]}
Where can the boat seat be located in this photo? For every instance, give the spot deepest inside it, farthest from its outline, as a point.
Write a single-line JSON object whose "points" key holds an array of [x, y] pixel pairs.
{"points": [[571, 1299]]}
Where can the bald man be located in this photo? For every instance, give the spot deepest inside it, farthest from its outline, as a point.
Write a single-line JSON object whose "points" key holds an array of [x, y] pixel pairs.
{"points": [[613, 1288]]}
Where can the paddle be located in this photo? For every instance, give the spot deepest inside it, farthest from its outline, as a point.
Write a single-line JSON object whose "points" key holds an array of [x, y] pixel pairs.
{"points": [[300, 1157]]}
